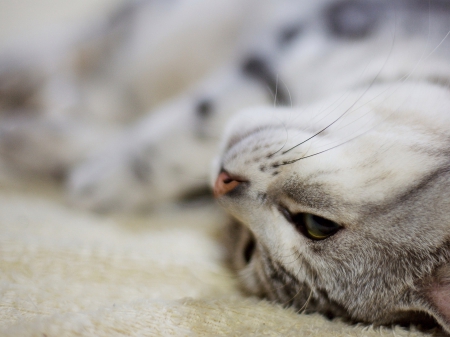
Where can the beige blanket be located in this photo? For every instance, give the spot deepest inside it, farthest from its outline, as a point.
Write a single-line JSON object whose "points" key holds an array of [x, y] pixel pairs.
{"points": [[64, 272]]}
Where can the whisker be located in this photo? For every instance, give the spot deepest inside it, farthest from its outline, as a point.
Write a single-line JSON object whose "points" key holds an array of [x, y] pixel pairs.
{"points": [[276, 92], [284, 125], [402, 80], [303, 308], [293, 297], [439, 45], [351, 106], [288, 91], [357, 100], [317, 153], [340, 144]]}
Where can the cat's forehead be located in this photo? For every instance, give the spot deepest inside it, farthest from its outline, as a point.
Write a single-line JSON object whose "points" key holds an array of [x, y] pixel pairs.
{"points": [[350, 152]]}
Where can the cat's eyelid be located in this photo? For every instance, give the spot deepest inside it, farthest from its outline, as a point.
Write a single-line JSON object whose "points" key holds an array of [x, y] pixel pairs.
{"points": [[289, 215], [285, 212]]}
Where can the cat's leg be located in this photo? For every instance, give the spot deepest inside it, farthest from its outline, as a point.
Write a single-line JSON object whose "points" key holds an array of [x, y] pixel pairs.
{"points": [[47, 124], [36, 145], [176, 43], [168, 153], [85, 78]]}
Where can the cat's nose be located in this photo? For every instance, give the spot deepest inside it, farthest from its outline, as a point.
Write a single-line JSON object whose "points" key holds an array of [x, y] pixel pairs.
{"points": [[225, 183]]}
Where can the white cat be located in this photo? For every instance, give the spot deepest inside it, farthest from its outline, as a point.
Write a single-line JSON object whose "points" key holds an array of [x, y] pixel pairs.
{"points": [[340, 196]]}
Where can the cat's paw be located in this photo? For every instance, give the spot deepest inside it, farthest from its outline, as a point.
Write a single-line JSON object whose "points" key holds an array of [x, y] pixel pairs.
{"points": [[110, 181], [48, 146], [36, 145], [131, 175]]}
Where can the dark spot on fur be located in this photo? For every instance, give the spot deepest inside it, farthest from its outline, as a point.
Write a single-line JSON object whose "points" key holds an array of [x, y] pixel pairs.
{"points": [[442, 81], [284, 285], [262, 168], [275, 173], [262, 196], [439, 177], [204, 108], [59, 173], [19, 89], [333, 308], [289, 34], [376, 179], [351, 19], [124, 14], [309, 194], [258, 68]]}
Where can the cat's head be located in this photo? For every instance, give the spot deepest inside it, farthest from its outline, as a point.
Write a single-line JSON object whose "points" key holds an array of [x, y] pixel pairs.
{"points": [[345, 204]]}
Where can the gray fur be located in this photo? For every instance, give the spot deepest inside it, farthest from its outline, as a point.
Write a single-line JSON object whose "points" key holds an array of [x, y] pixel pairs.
{"points": [[394, 245]]}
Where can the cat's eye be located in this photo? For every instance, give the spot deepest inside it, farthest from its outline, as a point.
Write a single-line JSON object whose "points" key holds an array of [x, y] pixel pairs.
{"points": [[319, 228], [313, 226]]}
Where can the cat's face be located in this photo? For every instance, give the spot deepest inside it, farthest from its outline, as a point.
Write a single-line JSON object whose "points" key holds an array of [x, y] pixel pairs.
{"points": [[344, 204]]}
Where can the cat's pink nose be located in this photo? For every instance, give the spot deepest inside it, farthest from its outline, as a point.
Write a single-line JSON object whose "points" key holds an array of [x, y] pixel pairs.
{"points": [[224, 184]]}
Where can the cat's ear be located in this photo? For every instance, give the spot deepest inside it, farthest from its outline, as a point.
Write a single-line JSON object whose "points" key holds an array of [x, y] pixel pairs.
{"points": [[436, 293]]}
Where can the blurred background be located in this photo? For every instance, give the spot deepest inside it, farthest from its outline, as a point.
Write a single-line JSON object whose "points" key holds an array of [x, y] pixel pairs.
{"points": [[28, 19]]}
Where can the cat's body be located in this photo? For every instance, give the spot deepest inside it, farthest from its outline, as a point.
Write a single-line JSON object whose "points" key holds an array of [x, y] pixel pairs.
{"points": [[358, 156], [161, 160]]}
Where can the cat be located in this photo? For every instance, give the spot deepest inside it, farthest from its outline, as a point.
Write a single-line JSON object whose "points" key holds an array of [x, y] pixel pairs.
{"points": [[71, 119], [342, 206], [337, 177]]}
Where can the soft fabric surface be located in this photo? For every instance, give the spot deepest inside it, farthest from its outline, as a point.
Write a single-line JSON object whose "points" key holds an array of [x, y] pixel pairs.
{"points": [[64, 272]]}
